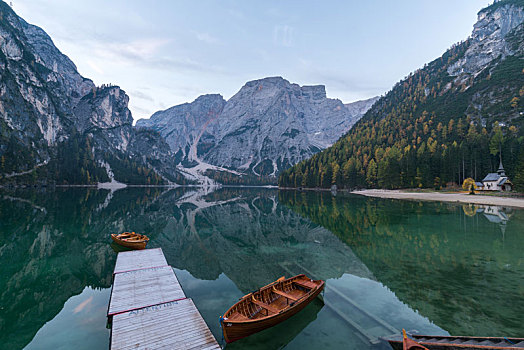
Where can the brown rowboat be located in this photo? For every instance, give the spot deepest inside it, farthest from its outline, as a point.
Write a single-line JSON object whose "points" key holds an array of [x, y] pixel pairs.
{"points": [[439, 342], [410, 344], [269, 306], [130, 240]]}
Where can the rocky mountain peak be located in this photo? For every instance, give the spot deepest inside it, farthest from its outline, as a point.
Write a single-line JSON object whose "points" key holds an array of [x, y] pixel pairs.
{"points": [[270, 86], [268, 125], [209, 99], [362, 106], [314, 92], [51, 117], [104, 107], [266, 82], [61, 68], [488, 38], [184, 125]]}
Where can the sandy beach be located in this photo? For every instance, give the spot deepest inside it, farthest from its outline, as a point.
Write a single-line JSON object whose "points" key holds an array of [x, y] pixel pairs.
{"points": [[444, 197]]}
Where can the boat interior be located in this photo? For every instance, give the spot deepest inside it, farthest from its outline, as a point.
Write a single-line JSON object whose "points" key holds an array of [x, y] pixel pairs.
{"points": [[272, 299], [132, 237]]}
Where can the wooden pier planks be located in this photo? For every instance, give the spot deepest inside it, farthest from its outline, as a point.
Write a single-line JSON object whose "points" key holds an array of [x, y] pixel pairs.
{"points": [[145, 287], [149, 309], [175, 325], [139, 259]]}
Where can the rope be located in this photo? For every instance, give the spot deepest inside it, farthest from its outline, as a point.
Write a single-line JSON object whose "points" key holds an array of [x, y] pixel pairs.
{"points": [[223, 341], [509, 341]]}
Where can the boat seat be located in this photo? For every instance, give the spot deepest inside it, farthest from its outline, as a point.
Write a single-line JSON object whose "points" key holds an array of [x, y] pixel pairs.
{"points": [[265, 306], [306, 284], [444, 340], [284, 294]]}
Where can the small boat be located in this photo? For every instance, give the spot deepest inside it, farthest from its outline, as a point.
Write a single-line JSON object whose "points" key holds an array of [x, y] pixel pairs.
{"points": [[435, 342], [130, 240], [409, 344], [280, 335], [269, 306]]}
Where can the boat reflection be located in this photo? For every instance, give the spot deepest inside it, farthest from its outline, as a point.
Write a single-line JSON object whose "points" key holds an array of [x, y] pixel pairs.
{"points": [[282, 334]]}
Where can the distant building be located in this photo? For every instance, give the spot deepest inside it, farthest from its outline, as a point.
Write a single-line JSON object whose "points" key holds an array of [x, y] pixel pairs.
{"points": [[496, 181]]}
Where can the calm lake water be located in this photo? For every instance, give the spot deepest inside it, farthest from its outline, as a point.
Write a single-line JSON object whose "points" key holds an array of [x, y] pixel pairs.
{"points": [[431, 267]]}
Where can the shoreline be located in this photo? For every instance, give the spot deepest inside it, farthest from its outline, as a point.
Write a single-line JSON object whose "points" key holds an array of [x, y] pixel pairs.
{"points": [[444, 197]]}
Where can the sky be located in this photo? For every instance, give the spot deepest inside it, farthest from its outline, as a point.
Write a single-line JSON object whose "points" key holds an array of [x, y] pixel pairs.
{"points": [[168, 52]]}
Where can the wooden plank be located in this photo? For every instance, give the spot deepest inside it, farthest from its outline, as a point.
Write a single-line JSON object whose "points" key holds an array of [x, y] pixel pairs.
{"points": [[141, 288], [306, 284], [266, 306], [284, 294], [175, 325], [139, 259]]}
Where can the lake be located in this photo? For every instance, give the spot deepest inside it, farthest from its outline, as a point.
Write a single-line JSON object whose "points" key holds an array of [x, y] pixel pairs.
{"points": [[436, 268]]}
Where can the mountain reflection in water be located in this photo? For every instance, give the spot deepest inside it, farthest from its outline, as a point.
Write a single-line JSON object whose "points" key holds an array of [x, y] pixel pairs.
{"points": [[386, 267]]}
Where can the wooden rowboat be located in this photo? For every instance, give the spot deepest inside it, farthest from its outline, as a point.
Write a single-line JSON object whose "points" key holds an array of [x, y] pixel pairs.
{"points": [[434, 342], [410, 344], [130, 240], [269, 306]]}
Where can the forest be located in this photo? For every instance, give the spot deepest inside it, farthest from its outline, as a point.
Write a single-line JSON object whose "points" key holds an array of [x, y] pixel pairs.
{"points": [[429, 131], [73, 163]]}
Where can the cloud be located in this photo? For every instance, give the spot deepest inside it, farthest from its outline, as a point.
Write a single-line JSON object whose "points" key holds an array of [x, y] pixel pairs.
{"points": [[283, 35], [141, 95], [237, 14], [95, 67], [145, 53], [207, 38], [262, 54], [140, 110], [143, 47]]}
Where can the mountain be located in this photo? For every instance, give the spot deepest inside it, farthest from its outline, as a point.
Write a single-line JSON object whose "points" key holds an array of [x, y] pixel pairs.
{"points": [[267, 126], [359, 108], [187, 125], [443, 123], [56, 124]]}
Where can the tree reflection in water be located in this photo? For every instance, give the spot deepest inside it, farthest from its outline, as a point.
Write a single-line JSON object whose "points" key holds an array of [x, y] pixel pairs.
{"points": [[459, 266], [460, 271]]}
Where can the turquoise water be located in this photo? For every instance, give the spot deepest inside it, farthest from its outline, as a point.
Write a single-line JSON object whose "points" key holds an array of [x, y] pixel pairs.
{"points": [[431, 267]]}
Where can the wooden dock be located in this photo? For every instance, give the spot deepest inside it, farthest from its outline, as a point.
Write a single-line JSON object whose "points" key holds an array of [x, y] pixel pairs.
{"points": [[149, 309]]}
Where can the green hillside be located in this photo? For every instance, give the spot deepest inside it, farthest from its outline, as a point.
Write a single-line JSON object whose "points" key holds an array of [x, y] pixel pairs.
{"points": [[432, 128]]}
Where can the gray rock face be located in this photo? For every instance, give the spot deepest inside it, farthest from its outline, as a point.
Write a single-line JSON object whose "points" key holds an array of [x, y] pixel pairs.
{"points": [[61, 69], [359, 108], [488, 39], [34, 100], [269, 125], [104, 111], [44, 100], [187, 124]]}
